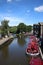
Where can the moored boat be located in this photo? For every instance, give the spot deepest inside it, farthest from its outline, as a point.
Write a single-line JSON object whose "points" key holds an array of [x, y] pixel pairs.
{"points": [[33, 48], [31, 37]]}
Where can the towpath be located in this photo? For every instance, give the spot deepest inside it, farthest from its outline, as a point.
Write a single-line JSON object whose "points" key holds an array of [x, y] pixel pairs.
{"points": [[3, 40]]}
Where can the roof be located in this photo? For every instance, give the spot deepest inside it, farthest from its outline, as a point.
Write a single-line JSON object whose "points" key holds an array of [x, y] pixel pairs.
{"points": [[41, 23]]}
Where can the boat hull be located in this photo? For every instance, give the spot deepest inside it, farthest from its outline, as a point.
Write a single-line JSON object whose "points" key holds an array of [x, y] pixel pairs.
{"points": [[31, 54]]}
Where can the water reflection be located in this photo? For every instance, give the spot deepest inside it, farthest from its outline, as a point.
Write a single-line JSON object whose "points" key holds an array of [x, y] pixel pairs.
{"points": [[28, 58], [21, 41], [5, 52], [14, 52]]}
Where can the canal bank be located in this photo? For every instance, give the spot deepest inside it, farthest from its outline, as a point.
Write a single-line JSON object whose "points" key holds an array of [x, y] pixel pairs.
{"points": [[4, 40]]}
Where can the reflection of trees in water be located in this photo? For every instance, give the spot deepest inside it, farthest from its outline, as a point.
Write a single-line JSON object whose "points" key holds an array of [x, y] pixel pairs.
{"points": [[28, 59], [5, 51], [21, 41]]}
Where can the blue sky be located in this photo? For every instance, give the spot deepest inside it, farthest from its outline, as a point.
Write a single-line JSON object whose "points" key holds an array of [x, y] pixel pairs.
{"points": [[26, 11]]}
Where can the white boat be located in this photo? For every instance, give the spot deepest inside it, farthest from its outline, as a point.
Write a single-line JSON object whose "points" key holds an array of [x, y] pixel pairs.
{"points": [[32, 54], [32, 49]]}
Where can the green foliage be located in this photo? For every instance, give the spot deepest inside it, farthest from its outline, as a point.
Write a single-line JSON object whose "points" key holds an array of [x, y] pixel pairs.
{"points": [[5, 27], [21, 27], [29, 28], [5, 24], [13, 29], [0, 31]]}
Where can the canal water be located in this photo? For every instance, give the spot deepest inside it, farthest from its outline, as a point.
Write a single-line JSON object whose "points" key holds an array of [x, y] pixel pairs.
{"points": [[14, 52]]}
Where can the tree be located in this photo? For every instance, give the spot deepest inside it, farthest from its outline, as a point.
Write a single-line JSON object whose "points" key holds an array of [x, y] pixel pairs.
{"points": [[29, 28], [13, 29], [5, 27], [21, 28]]}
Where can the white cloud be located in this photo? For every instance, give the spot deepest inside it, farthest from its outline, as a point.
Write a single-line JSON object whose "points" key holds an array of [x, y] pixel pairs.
{"points": [[39, 9], [13, 0], [17, 0], [9, 0], [9, 11], [28, 11], [13, 20]]}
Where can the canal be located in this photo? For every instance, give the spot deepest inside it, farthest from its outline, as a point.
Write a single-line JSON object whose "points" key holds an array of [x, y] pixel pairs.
{"points": [[14, 52]]}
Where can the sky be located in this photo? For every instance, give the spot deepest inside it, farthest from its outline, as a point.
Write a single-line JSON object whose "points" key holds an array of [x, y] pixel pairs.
{"points": [[21, 11]]}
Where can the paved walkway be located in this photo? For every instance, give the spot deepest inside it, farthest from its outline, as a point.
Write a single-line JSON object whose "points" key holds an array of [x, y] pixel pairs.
{"points": [[3, 40]]}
